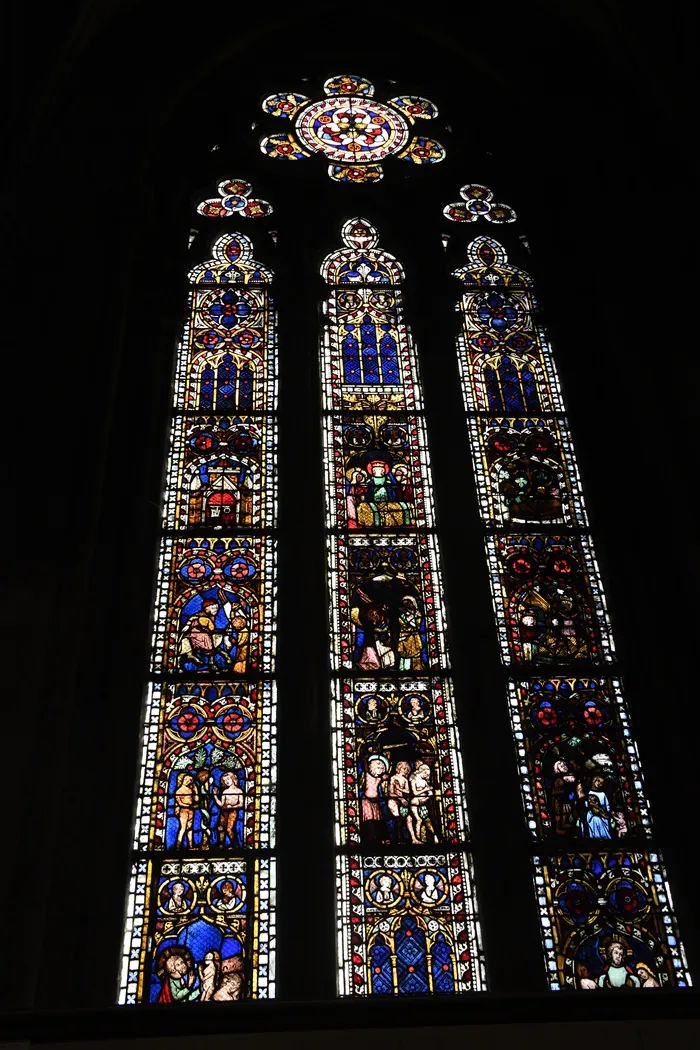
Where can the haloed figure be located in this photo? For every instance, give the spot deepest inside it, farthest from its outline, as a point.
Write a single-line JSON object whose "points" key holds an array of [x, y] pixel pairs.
{"points": [[617, 973], [180, 983]]}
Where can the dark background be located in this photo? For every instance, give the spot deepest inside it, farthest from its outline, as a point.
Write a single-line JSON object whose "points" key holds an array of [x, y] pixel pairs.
{"points": [[578, 116]]}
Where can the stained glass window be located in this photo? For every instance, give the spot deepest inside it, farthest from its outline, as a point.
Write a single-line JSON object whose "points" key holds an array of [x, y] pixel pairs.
{"points": [[604, 901], [200, 921], [351, 128], [407, 914]]}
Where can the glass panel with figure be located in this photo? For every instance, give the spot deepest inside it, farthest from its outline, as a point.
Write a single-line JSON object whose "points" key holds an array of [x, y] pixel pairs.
{"points": [[408, 924], [200, 919], [606, 915], [607, 922]]}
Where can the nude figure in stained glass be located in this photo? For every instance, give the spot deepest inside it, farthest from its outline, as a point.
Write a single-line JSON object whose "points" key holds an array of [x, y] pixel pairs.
{"points": [[400, 793], [230, 801], [421, 793], [186, 798], [231, 986], [209, 969]]}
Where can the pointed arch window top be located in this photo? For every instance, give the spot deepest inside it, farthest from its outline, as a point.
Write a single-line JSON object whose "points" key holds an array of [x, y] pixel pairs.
{"points": [[353, 130], [478, 200], [361, 262], [232, 263], [234, 199], [488, 267]]}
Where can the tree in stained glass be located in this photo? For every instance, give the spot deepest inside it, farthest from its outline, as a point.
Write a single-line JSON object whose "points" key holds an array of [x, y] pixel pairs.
{"points": [[200, 921], [407, 915], [605, 906], [352, 129]]}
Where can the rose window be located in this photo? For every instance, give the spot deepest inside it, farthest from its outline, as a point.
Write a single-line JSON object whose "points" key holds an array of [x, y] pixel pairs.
{"points": [[355, 132]]}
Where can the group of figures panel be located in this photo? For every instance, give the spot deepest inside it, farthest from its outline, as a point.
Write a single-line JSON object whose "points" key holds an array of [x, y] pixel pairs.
{"points": [[411, 927], [580, 772], [208, 934], [215, 607], [548, 598], [380, 475], [526, 471], [208, 774], [389, 602], [222, 473], [608, 923], [399, 780]]}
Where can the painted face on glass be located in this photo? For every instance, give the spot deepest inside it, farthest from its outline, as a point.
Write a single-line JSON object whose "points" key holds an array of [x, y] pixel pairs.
{"points": [[617, 954], [175, 966]]}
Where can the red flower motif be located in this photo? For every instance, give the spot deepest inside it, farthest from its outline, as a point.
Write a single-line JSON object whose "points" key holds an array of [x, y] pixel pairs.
{"points": [[187, 722]]}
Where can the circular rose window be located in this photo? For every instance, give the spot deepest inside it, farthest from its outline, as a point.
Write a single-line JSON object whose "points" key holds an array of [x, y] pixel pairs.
{"points": [[352, 129]]}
